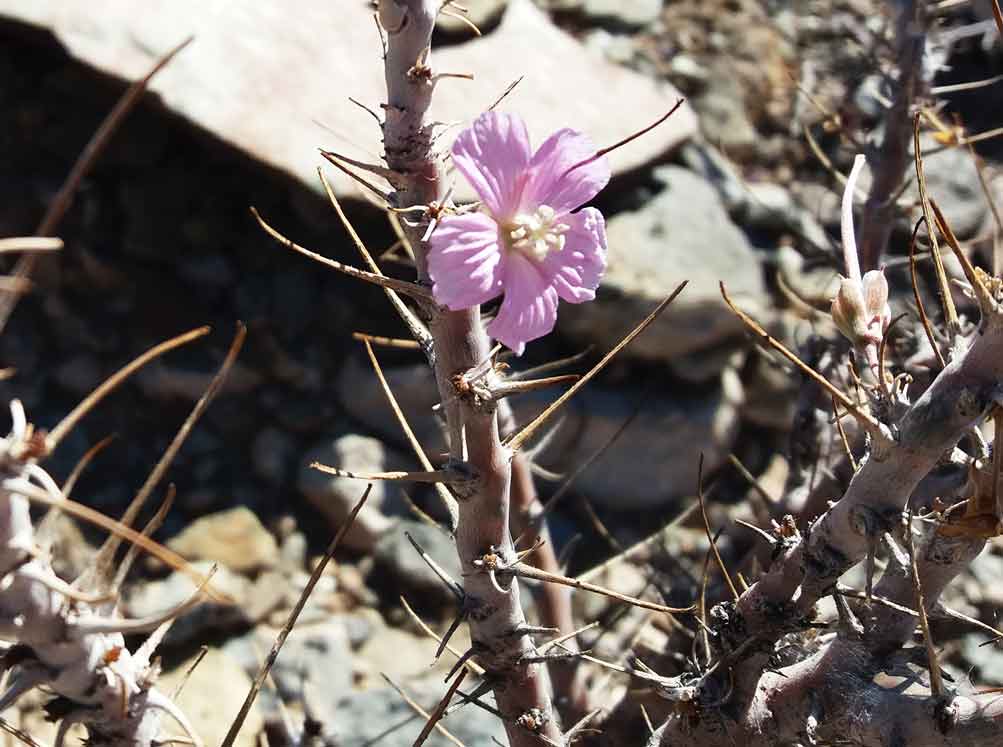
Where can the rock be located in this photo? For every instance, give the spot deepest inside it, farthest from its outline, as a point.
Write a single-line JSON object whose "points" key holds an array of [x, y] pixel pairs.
{"points": [[315, 661], [245, 50], [235, 538], [988, 660], [272, 454], [336, 496], [810, 283], [682, 234], [771, 395], [405, 656], [414, 388], [771, 207], [655, 459], [953, 181], [212, 697], [79, 375], [756, 204], [397, 562], [382, 717], [208, 618], [621, 49], [484, 14], [722, 114], [623, 14]]}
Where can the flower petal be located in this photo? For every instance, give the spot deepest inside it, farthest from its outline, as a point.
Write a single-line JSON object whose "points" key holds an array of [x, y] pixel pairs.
{"points": [[551, 183], [529, 310], [465, 260], [493, 154], [576, 270]]}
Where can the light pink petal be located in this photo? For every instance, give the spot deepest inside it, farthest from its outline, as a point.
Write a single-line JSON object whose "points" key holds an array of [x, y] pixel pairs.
{"points": [[551, 183], [529, 310], [493, 154], [576, 270], [465, 261]]}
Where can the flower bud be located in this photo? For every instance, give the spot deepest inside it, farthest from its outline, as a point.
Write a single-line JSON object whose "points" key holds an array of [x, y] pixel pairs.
{"points": [[860, 308]]}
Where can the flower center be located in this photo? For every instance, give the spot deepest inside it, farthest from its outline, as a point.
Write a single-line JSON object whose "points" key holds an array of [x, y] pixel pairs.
{"points": [[537, 234]]}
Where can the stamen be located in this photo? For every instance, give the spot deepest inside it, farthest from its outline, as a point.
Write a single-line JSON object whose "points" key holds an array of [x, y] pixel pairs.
{"points": [[537, 234]]}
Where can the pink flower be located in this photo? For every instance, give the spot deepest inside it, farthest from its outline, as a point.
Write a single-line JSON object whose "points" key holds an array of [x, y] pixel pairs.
{"points": [[529, 245]]}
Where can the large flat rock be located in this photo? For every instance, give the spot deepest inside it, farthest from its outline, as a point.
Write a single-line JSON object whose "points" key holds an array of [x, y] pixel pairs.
{"points": [[274, 78]]}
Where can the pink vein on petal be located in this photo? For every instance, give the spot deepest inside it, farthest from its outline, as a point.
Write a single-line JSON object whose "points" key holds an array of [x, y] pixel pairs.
{"points": [[465, 261], [550, 182], [529, 309], [576, 270], [493, 155]]}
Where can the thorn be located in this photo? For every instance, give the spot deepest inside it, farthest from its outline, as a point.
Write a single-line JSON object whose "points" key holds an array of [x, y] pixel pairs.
{"points": [[444, 642], [50, 497], [387, 342], [83, 627], [30, 244], [761, 532], [473, 667], [107, 552], [506, 92], [451, 584], [875, 429], [414, 325], [568, 636], [516, 442], [432, 720], [462, 76], [57, 434], [448, 501], [373, 168], [528, 571], [603, 151], [509, 388], [987, 303], [401, 286], [950, 312], [367, 110], [710, 538], [920, 308], [842, 436], [439, 475]]}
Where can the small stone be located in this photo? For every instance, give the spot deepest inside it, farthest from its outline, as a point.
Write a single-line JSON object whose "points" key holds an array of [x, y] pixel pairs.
{"points": [[623, 14], [484, 14], [153, 598], [398, 561], [212, 697], [235, 538], [365, 718], [313, 658]]}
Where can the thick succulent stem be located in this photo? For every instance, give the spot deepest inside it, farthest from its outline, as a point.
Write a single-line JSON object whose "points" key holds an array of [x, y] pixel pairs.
{"points": [[521, 685]]}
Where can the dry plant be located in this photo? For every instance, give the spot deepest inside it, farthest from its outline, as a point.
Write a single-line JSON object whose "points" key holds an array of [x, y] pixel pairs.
{"points": [[766, 668]]}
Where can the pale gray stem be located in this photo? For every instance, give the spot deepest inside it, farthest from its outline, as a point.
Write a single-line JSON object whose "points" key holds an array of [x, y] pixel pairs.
{"points": [[521, 687]]}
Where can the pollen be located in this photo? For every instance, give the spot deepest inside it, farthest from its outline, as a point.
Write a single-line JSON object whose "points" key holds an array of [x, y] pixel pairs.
{"points": [[537, 234]]}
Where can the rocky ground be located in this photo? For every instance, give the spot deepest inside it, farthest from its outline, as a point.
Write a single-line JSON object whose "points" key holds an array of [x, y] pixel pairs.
{"points": [[160, 240]]}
